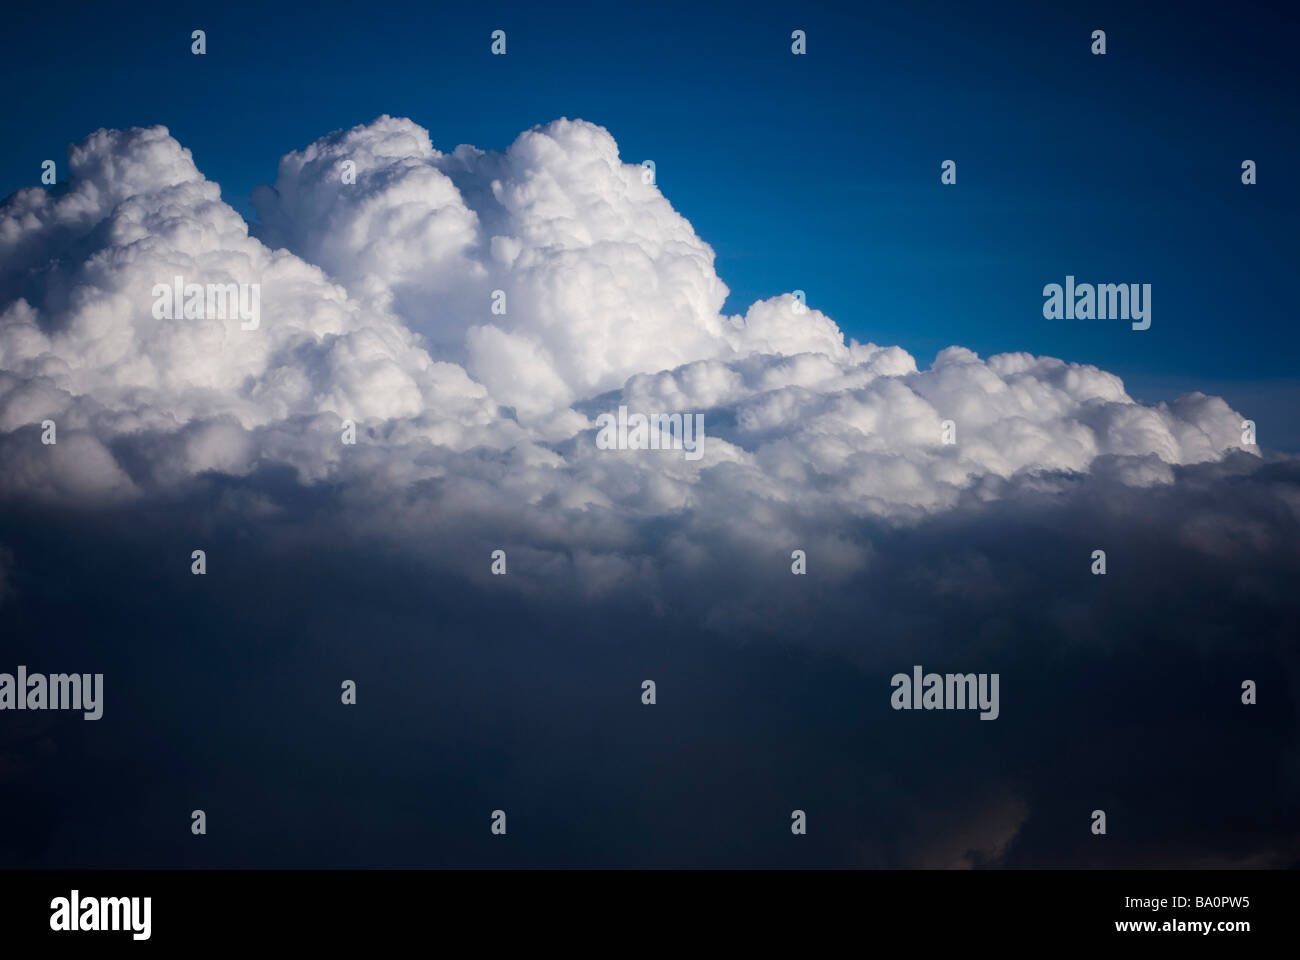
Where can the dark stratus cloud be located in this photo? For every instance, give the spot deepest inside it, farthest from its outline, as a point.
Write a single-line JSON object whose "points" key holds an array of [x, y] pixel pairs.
{"points": [[474, 315]]}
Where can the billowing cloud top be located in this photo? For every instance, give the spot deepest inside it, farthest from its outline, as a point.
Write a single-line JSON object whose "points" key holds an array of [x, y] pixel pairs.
{"points": [[474, 312]]}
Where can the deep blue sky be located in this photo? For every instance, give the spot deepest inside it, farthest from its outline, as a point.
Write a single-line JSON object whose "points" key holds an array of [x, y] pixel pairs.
{"points": [[819, 172]]}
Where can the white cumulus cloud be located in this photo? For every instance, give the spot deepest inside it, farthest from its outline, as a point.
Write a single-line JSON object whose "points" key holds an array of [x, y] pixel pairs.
{"points": [[379, 259]]}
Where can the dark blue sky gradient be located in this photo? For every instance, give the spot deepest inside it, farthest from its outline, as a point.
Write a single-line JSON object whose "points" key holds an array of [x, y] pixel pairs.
{"points": [[818, 173]]}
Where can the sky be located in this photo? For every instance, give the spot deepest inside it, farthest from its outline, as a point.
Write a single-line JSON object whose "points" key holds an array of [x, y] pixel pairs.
{"points": [[818, 173], [390, 460]]}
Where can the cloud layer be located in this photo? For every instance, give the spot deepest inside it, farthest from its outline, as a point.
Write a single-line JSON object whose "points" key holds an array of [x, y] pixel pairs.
{"points": [[476, 429]]}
